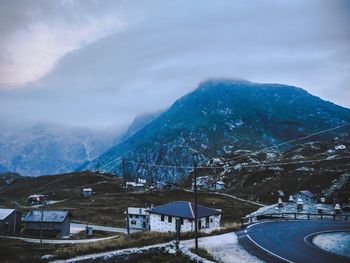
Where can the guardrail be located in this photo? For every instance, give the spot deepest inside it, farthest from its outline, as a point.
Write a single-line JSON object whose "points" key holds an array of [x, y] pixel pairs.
{"points": [[295, 216]]}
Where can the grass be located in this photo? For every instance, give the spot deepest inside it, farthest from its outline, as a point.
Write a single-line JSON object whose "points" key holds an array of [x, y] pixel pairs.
{"points": [[203, 254], [107, 206], [163, 258], [31, 252]]}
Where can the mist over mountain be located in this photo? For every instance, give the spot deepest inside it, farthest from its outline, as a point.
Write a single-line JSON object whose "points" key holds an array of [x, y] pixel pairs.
{"points": [[44, 149], [219, 117]]}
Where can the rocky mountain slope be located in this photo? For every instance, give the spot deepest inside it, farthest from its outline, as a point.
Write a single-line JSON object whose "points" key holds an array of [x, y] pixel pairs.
{"points": [[218, 118], [45, 149], [319, 166]]}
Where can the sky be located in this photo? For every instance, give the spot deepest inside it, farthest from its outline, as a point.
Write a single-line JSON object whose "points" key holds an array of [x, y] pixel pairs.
{"points": [[101, 63]]}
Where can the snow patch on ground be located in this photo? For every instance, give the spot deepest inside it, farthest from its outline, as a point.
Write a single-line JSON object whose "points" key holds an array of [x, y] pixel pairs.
{"points": [[224, 248], [337, 243]]}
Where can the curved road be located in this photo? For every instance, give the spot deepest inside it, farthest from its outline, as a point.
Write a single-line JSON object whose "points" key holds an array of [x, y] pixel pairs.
{"points": [[290, 241]]}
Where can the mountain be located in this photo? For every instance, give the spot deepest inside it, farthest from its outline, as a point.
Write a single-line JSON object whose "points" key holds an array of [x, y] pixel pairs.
{"points": [[45, 149], [139, 122], [219, 117]]}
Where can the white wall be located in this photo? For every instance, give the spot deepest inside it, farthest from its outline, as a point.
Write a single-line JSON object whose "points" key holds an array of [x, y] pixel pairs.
{"points": [[188, 225]]}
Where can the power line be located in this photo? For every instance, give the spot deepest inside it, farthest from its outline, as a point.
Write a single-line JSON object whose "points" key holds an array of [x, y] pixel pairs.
{"points": [[243, 166], [290, 141], [248, 154], [296, 162]]}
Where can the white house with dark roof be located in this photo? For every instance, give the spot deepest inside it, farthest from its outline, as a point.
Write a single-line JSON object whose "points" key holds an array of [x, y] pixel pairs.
{"points": [[163, 218], [306, 196], [138, 218], [55, 223]]}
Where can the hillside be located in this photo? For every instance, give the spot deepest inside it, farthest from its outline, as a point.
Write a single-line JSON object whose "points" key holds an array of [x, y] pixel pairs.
{"points": [[218, 118], [107, 205], [322, 167]]}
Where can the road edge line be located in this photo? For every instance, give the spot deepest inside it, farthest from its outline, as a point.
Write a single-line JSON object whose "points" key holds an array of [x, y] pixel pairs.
{"points": [[268, 251]]}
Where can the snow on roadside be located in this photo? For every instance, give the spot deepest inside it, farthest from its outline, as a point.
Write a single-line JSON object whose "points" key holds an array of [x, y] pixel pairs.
{"points": [[337, 243], [224, 248]]}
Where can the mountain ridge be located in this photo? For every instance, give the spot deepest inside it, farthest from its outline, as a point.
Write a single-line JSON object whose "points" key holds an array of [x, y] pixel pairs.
{"points": [[218, 114]]}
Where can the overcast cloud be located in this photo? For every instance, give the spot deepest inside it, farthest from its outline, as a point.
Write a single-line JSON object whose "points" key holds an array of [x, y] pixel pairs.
{"points": [[100, 63]]}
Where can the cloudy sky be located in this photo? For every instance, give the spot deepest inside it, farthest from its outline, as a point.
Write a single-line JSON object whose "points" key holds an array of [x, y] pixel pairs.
{"points": [[101, 63]]}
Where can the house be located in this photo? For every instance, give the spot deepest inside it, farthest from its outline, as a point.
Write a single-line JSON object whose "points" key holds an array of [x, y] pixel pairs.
{"points": [[37, 199], [10, 221], [138, 218], [163, 218], [208, 183], [55, 223], [136, 187], [306, 196], [219, 186], [87, 192], [204, 182], [141, 181]]}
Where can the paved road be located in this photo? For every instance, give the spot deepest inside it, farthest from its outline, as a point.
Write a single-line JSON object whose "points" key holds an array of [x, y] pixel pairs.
{"points": [[290, 241], [228, 195]]}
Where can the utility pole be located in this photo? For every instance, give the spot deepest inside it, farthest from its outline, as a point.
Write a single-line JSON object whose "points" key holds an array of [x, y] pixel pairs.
{"points": [[195, 206], [15, 224], [41, 225], [126, 198]]}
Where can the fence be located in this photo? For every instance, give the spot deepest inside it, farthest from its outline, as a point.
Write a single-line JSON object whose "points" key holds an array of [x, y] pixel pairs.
{"points": [[295, 216]]}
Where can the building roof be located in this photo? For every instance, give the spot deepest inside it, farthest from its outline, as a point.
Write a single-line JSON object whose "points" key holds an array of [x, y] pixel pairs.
{"points": [[36, 196], [5, 212], [307, 193], [137, 211], [183, 209], [134, 184], [54, 216]]}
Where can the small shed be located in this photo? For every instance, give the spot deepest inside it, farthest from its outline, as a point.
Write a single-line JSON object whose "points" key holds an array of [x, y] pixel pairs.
{"points": [[10, 221], [136, 187], [37, 199], [55, 223], [87, 192], [138, 218]]}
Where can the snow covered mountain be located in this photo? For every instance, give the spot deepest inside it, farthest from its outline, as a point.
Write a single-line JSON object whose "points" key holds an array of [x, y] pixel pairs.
{"points": [[45, 149], [220, 117]]}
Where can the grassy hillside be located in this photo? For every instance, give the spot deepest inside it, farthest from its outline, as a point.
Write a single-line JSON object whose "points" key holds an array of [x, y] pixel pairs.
{"points": [[107, 206]]}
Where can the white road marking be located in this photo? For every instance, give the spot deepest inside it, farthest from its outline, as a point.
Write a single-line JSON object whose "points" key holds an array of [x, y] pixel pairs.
{"points": [[268, 251]]}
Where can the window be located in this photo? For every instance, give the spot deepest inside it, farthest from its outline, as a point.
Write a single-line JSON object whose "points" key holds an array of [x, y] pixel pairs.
{"points": [[207, 219], [162, 218], [211, 220], [181, 221], [170, 219]]}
